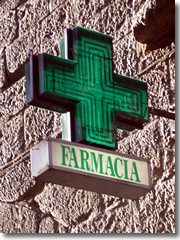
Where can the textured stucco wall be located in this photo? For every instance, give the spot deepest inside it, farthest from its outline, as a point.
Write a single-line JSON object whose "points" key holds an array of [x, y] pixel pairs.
{"points": [[35, 26]]}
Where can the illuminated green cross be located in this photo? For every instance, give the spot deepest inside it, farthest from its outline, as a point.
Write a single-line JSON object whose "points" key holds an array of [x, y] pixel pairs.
{"points": [[99, 100]]}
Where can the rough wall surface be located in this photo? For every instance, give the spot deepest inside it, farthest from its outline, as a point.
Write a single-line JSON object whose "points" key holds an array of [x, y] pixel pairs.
{"points": [[35, 26]]}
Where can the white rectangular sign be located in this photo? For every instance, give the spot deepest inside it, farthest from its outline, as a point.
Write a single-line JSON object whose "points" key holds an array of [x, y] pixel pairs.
{"points": [[78, 165]]}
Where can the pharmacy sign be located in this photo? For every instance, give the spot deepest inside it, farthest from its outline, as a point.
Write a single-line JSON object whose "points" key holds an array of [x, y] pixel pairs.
{"points": [[90, 168], [94, 101]]}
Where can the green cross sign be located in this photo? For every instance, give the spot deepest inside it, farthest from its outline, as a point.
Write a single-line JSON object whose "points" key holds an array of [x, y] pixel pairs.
{"points": [[82, 81]]}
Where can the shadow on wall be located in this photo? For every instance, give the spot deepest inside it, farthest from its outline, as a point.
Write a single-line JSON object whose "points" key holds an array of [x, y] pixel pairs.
{"points": [[154, 24]]}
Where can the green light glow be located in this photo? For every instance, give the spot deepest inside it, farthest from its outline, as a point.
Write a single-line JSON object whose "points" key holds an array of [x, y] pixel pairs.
{"points": [[102, 100]]}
